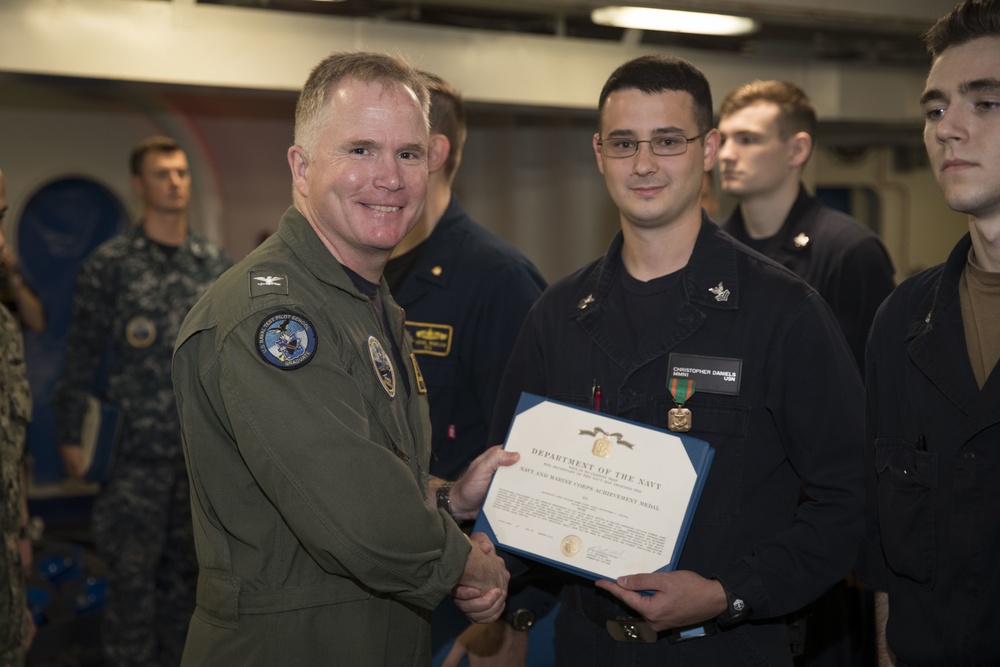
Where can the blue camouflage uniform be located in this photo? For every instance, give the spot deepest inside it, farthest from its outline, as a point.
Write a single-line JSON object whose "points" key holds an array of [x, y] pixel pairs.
{"points": [[15, 412], [132, 296]]}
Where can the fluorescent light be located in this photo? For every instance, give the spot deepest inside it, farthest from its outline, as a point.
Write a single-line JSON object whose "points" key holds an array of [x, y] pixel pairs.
{"points": [[669, 20]]}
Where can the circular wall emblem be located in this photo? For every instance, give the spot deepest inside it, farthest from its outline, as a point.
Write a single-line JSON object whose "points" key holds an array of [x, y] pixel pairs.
{"points": [[140, 332], [286, 340]]}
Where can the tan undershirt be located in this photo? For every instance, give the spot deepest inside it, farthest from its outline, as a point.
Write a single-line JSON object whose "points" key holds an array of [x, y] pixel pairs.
{"points": [[979, 295]]}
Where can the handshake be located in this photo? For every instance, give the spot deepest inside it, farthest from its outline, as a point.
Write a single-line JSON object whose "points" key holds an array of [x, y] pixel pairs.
{"points": [[481, 591]]}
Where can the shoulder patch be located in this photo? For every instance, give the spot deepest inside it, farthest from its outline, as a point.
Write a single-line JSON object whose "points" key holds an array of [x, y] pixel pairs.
{"points": [[286, 340], [264, 282]]}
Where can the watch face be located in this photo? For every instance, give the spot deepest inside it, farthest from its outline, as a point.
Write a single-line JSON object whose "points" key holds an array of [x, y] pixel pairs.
{"points": [[523, 619]]}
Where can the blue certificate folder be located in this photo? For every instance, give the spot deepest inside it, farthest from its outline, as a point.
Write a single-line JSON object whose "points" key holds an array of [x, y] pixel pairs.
{"points": [[699, 452]]}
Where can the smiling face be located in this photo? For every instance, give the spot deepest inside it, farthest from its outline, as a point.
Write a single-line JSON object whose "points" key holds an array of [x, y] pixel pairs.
{"points": [[961, 105], [362, 185], [653, 191], [754, 159]]}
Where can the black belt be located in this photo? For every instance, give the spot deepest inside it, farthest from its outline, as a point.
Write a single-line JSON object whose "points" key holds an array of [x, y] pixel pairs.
{"points": [[635, 630]]}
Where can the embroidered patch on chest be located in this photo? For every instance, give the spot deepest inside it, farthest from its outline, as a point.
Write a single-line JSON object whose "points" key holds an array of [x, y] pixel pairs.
{"points": [[382, 365], [432, 339], [140, 332], [286, 340]]}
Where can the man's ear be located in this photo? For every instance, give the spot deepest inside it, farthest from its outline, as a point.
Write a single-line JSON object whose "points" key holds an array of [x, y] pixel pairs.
{"points": [[437, 153], [137, 187], [298, 162], [597, 153], [802, 145]]}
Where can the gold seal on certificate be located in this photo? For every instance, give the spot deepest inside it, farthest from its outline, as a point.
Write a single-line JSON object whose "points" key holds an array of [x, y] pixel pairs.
{"points": [[571, 546], [679, 420], [602, 447]]}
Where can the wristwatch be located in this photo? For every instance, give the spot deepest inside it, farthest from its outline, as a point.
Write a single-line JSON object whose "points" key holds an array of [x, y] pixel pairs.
{"points": [[520, 619], [444, 498], [737, 610]]}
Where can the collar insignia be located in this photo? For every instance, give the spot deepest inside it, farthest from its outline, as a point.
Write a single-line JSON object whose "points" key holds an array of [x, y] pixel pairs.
{"points": [[801, 241], [586, 301], [720, 292], [263, 281]]}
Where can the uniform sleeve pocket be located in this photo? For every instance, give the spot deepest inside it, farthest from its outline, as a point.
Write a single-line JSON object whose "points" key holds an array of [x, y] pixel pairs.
{"points": [[907, 480]]}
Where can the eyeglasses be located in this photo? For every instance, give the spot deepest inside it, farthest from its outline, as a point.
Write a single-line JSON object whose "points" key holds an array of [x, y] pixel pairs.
{"points": [[663, 145]]}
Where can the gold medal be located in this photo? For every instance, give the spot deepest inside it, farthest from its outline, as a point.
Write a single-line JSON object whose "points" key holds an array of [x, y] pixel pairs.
{"points": [[679, 420]]}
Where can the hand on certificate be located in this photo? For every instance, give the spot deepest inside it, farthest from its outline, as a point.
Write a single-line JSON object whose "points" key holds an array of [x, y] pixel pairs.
{"points": [[482, 591], [679, 598], [468, 493]]}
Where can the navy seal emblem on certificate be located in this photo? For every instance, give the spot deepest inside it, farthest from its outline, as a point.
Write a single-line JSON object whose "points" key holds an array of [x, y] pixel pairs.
{"points": [[382, 365], [286, 340]]}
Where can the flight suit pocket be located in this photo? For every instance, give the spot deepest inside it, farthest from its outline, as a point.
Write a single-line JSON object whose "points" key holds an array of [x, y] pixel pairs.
{"points": [[907, 479]]}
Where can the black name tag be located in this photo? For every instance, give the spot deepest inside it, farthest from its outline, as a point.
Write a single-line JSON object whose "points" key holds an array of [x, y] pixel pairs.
{"points": [[712, 375]]}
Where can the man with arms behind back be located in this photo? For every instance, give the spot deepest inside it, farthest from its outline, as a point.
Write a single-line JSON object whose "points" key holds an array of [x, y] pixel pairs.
{"points": [[933, 445]]}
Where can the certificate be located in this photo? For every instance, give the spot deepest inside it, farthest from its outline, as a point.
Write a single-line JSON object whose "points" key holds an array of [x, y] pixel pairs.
{"points": [[592, 494]]}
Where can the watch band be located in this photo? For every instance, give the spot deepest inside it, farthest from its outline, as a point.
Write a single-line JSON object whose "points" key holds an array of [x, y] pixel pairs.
{"points": [[444, 498], [520, 619]]}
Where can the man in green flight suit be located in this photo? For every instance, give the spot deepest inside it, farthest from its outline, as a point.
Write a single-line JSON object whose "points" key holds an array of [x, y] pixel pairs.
{"points": [[304, 414]]}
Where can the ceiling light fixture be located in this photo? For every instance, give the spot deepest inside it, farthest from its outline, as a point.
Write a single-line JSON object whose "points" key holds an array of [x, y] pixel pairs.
{"points": [[669, 20]]}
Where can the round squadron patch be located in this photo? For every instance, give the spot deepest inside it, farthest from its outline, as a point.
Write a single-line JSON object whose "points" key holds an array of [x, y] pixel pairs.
{"points": [[286, 340], [140, 332], [382, 365]]}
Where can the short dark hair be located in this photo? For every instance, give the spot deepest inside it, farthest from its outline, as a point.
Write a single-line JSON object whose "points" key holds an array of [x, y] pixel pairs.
{"points": [[796, 112], [656, 74], [365, 66], [157, 144], [969, 20], [447, 118]]}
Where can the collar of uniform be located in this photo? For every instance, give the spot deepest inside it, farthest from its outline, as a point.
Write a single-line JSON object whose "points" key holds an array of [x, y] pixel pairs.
{"points": [[193, 244], [303, 241], [442, 246], [712, 265], [801, 219], [938, 299]]}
